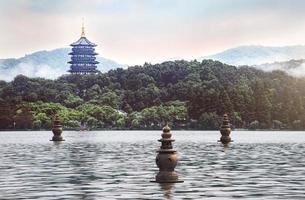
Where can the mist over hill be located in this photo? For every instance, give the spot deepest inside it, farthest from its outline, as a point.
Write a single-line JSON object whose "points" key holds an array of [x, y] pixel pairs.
{"points": [[46, 64], [292, 67]]}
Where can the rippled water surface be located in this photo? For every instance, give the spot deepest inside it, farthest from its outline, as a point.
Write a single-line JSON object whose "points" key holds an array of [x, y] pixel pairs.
{"points": [[120, 165]]}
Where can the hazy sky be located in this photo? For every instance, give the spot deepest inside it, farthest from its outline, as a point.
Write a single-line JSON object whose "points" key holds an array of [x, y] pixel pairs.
{"points": [[135, 31]]}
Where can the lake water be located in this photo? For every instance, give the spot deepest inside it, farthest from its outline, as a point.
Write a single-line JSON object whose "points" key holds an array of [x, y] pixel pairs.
{"points": [[120, 165]]}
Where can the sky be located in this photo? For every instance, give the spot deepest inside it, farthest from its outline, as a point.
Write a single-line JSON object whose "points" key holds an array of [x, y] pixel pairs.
{"points": [[137, 31]]}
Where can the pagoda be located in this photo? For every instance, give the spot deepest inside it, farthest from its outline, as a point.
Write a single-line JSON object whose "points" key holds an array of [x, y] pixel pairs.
{"points": [[83, 60]]}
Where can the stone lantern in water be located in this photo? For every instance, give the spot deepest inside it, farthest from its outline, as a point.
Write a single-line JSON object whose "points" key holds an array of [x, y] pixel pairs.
{"points": [[225, 130], [166, 159], [57, 130]]}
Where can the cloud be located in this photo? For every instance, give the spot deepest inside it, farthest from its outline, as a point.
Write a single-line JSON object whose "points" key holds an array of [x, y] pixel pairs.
{"points": [[31, 70], [297, 72]]}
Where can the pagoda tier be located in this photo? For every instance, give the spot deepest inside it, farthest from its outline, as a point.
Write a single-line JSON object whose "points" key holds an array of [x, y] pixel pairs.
{"points": [[83, 63], [83, 60], [77, 52]]}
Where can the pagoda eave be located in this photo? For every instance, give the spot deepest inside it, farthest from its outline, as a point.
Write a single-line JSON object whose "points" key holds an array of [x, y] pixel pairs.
{"points": [[76, 54], [83, 72], [90, 45]]}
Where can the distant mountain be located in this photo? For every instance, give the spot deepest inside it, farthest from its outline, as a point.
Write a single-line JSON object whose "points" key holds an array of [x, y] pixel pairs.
{"points": [[51, 64], [256, 55], [46, 64], [292, 67]]}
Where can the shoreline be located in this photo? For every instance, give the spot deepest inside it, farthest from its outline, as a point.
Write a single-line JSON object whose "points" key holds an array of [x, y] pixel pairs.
{"points": [[236, 130]]}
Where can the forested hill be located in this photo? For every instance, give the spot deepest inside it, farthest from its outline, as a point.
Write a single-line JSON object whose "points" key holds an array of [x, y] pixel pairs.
{"points": [[185, 94]]}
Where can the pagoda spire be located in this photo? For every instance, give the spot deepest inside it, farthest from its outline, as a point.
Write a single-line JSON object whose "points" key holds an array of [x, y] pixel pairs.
{"points": [[83, 28]]}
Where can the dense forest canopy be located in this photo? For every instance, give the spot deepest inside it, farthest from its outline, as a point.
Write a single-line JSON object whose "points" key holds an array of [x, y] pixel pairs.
{"points": [[185, 94]]}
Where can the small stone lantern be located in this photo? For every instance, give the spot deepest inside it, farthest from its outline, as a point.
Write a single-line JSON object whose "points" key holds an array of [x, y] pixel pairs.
{"points": [[57, 130], [225, 130], [166, 159]]}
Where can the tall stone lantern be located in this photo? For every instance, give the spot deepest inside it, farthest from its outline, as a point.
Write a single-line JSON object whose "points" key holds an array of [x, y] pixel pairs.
{"points": [[57, 130], [225, 130], [166, 159]]}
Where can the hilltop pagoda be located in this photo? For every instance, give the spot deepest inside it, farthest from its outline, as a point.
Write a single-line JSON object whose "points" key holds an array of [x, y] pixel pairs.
{"points": [[83, 60]]}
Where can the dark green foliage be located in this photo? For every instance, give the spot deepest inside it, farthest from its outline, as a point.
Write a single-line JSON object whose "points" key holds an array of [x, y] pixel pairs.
{"points": [[184, 94], [210, 121]]}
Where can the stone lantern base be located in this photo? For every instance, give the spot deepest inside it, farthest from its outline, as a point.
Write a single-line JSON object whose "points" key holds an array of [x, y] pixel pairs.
{"points": [[225, 140], [57, 139], [167, 177]]}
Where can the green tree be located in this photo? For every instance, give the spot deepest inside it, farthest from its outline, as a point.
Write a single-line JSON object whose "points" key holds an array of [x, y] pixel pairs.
{"points": [[209, 121]]}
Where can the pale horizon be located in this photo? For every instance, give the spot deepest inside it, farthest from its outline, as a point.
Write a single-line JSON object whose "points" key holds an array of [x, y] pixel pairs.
{"points": [[134, 32]]}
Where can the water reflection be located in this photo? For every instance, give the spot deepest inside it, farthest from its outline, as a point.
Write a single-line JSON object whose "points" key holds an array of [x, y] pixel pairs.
{"points": [[83, 164], [57, 142], [225, 146], [167, 189]]}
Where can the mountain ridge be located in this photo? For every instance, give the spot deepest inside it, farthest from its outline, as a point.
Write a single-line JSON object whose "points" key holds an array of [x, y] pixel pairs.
{"points": [[258, 54]]}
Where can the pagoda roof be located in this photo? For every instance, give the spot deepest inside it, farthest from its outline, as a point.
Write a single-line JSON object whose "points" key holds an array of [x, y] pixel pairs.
{"points": [[86, 53], [83, 41], [83, 62]]}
